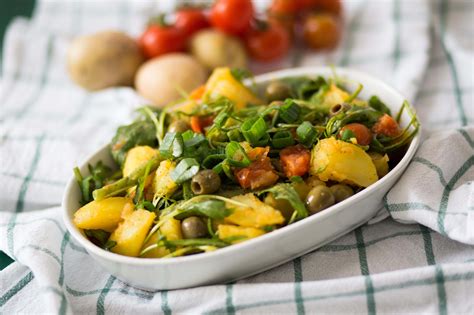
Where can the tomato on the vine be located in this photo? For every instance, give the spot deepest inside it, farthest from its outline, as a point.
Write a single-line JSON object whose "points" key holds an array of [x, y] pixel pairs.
{"points": [[267, 42], [158, 40], [329, 6], [232, 16], [321, 31], [190, 20]]}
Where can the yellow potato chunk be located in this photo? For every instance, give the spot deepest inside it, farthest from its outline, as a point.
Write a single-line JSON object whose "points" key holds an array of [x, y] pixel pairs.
{"points": [[172, 230], [257, 214], [137, 157], [240, 234], [223, 83], [341, 161], [163, 184], [334, 96], [104, 214], [131, 233]]}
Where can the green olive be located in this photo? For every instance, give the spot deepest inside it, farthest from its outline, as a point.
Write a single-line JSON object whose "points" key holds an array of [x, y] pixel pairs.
{"points": [[193, 227], [205, 182], [314, 181], [178, 126], [341, 192], [302, 189], [277, 91], [319, 198]]}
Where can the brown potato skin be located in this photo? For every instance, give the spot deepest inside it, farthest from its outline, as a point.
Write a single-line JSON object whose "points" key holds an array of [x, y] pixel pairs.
{"points": [[104, 59]]}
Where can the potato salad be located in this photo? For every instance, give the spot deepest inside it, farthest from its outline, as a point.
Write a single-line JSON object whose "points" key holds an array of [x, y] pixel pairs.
{"points": [[234, 160]]}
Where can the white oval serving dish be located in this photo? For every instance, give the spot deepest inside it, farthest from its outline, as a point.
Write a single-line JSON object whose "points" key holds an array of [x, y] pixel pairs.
{"points": [[264, 252]]}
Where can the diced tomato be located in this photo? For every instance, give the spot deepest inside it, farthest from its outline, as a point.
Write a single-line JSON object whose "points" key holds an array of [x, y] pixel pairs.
{"points": [[197, 93], [258, 153], [295, 160], [259, 174], [198, 123], [386, 126], [361, 133]]}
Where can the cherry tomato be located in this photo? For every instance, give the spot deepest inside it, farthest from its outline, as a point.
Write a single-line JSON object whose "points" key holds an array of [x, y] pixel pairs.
{"points": [[284, 7], [232, 16], [361, 133], [386, 126], [190, 20], [158, 40], [321, 31], [306, 4], [269, 43]]}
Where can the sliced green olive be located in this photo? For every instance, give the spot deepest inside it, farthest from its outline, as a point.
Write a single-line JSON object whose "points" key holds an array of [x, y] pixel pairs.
{"points": [[341, 192], [277, 91], [193, 227], [205, 182], [179, 126], [319, 198]]}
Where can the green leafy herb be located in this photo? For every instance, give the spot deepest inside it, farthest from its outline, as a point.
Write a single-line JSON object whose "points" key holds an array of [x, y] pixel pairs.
{"points": [[99, 175], [240, 74], [214, 209], [377, 104], [347, 135], [287, 192], [100, 238]]}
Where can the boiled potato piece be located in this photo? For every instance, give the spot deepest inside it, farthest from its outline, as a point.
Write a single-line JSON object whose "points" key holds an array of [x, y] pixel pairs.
{"points": [[257, 214], [223, 83], [240, 234], [163, 184], [334, 96], [162, 79], [216, 49], [171, 229], [341, 161], [104, 59], [131, 233], [102, 215], [137, 157], [381, 163]]}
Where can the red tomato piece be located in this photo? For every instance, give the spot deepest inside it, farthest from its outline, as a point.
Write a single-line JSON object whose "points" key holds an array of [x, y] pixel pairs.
{"points": [[259, 174], [295, 160], [361, 133], [198, 123], [386, 126], [232, 16]]}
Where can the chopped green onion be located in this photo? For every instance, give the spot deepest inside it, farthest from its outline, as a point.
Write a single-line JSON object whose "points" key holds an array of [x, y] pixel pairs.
{"points": [[306, 133], [282, 139], [235, 135], [172, 146], [347, 135], [185, 170], [254, 129], [289, 111], [236, 155], [197, 139], [211, 160]]}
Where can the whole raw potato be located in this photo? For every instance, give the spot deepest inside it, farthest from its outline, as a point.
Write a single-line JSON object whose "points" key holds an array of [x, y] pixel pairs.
{"points": [[161, 79], [104, 59], [215, 49]]}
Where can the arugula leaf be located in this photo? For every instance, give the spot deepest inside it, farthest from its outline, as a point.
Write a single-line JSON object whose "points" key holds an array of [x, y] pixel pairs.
{"points": [[100, 238], [99, 175], [214, 209], [287, 192], [377, 104], [240, 74]]}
